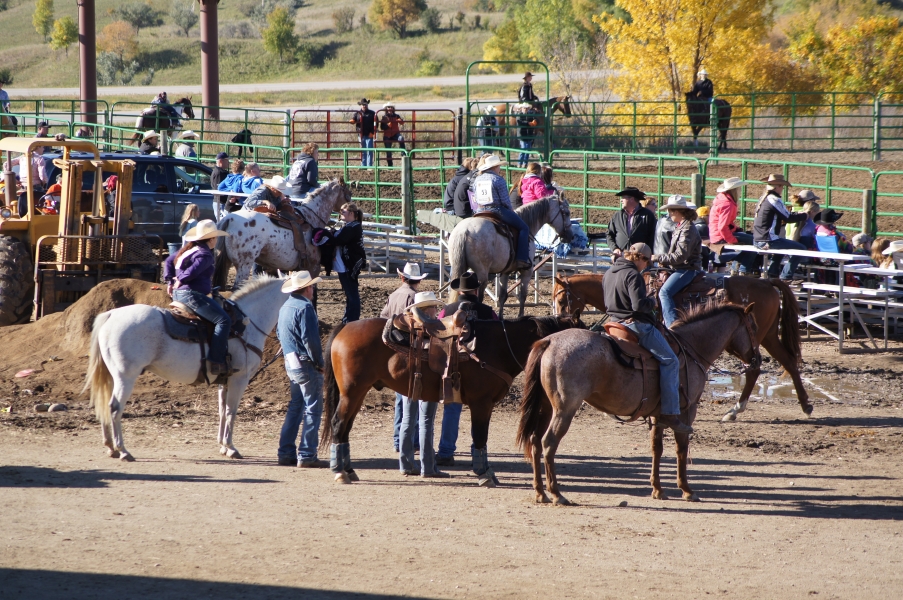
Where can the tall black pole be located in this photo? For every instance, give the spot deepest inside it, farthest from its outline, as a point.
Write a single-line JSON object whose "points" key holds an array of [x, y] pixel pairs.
{"points": [[87, 58]]}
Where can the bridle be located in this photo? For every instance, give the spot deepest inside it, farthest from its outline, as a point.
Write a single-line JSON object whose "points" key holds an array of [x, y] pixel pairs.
{"points": [[568, 294]]}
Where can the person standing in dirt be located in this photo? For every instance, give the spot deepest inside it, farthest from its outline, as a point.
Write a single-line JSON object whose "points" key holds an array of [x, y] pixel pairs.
{"points": [[364, 120], [390, 124], [217, 176], [299, 335], [632, 224], [397, 304]]}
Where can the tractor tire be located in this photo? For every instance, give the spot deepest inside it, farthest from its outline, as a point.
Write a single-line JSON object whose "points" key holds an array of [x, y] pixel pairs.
{"points": [[16, 282]]}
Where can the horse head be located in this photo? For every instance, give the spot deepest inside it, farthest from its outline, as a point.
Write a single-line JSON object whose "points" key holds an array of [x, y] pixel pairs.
{"points": [[187, 110], [563, 104], [560, 218], [744, 344], [564, 300]]}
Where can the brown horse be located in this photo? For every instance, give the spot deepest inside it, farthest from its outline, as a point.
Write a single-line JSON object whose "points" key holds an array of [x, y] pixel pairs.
{"points": [[357, 359], [156, 121], [8, 127], [572, 367], [777, 314], [507, 120]]}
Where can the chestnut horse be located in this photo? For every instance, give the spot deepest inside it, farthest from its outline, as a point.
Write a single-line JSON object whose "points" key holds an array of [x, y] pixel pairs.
{"points": [[357, 359], [507, 119], [777, 315], [572, 367]]}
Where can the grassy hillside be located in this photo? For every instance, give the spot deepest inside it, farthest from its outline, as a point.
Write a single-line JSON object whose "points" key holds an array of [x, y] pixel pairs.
{"points": [[176, 59]]}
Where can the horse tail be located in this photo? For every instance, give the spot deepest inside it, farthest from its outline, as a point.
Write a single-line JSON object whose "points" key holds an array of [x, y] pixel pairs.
{"points": [[221, 264], [98, 380], [790, 320], [457, 256], [330, 390], [532, 418]]}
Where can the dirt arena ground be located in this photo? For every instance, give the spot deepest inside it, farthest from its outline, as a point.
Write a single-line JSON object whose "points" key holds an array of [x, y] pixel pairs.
{"points": [[792, 507]]}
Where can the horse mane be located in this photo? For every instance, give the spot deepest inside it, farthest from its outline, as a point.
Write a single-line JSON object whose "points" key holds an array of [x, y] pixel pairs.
{"points": [[252, 285], [535, 212], [701, 312]]}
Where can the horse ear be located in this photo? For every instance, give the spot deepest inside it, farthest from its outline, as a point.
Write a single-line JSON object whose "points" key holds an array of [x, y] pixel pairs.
{"points": [[560, 282], [749, 308]]}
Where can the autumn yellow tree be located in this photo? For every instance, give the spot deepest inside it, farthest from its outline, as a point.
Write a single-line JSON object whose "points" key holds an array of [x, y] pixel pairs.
{"points": [[662, 48], [118, 38], [396, 15]]}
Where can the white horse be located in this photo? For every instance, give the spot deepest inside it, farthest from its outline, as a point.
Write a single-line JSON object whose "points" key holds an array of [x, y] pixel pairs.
{"points": [[474, 243], [116, 360], [255, 239]]}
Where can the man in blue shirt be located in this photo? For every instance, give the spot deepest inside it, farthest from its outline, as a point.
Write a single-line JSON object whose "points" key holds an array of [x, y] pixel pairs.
{"points": [[299, 335], [491, 194]]}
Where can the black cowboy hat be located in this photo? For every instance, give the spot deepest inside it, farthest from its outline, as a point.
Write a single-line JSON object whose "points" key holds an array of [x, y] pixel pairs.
{"points": [[44, 124], [827, 217], [363, 101], [632, 192], [466, 282], [528, 74]]}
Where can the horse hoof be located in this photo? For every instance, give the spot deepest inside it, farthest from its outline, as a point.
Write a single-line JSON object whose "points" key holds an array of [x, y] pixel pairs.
{"points": [[126, 457], [112, 453], [807, 408], [693, 497], [233, 453], [488, 482], [561, 501], [542, 499], [352, 476], [731, 416], [658, 495], [342, 477], [223, 450]]}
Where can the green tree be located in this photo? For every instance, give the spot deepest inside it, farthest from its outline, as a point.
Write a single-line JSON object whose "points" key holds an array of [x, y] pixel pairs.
{"points": [[279, 35], [396, 15], [65, 33], [183, 15], [138, 15], [43, 18], [505, 44]]}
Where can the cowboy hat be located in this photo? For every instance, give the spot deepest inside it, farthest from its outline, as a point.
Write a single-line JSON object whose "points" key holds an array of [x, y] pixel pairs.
{"points": [[528, 74], [388, 105], [678, 201], [204, 230], [776, 180], [827, 217], [44, 124], [151, 134], [412, 271], [862, 238], [491, 110], [424, 299], [362, 102], [731, 183], [807, 196], [190, 134], [298, 281], [467, 282], [491, 161], [703, 72], [278, 182], [523, 105], [896, 246], [632, 192]]}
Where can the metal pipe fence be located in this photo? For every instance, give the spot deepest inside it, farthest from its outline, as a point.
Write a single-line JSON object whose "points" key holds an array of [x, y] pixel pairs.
{"points": [[887, 210]]}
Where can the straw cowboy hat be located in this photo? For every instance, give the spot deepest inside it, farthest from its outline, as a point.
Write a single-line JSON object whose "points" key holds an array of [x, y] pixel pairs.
{"points": [[827, 217], [190, 135], [151, 134], [896, 246], [362, 102], [632, 192], [731, 183], [388, 105], [412, 271], [298, 281], [424, 299], [703, 72], [491, 161], [467, 282], [775, 180], [524, 106], [491, 110], [278, 182], [678, 201], [204, 230], [807, 196]]}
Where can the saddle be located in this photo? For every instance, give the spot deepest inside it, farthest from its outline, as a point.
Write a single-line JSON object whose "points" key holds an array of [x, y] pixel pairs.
{"points": [[704, 288], [443, 344], [504, 230], [287, 217], [183, 324]]}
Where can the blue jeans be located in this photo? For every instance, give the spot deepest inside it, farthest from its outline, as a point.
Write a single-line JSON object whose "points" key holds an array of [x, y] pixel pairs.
{"points": [[305, 407], [366, 157], [509, 217], [653, 341], [524, 157], [451, 417], [747, 260], [675, 283], [352, 297], [399, 412], [792, 261], [427, 416], [207, 308]]}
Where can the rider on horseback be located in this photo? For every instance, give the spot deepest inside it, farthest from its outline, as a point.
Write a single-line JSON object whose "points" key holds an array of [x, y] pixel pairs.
{"points": [[526, 93], [704, 89], [166, 109], [491, 193], [188, 275], [684, 254], [626, 302]]}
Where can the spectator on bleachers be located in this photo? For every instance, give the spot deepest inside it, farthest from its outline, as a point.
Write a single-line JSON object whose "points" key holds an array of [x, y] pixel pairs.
{"points": [[232, 183], [448, 198], [251, 179], [186, 148]]}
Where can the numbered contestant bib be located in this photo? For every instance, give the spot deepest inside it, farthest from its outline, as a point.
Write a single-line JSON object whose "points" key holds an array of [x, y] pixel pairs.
{"points": [[483, 192]]}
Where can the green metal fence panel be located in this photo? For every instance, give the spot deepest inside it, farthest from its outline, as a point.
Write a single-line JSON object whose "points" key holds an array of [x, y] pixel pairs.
{"points": [[887, 212], [58, 108], [591, 180], [28, 125], [839, 187]]}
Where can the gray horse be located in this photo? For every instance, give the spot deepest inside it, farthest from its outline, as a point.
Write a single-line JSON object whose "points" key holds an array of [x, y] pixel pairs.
{"points": [[475, 244]]}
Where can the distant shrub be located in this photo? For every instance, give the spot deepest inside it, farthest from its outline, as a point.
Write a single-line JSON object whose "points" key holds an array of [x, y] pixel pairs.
{"points": [[431, 19], [343, 19], [238, 30]]}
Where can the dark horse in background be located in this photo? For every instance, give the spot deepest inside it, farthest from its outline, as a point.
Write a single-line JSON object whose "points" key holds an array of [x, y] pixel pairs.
{"points": [[153, 119], [699, 113]]}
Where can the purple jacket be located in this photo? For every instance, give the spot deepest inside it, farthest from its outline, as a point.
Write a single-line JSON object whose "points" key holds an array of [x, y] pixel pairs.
{"points": [[196, 271]]}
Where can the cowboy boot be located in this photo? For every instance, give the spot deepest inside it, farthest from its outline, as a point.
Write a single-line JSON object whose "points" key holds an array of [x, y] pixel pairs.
{"points": [[672, 422]]}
